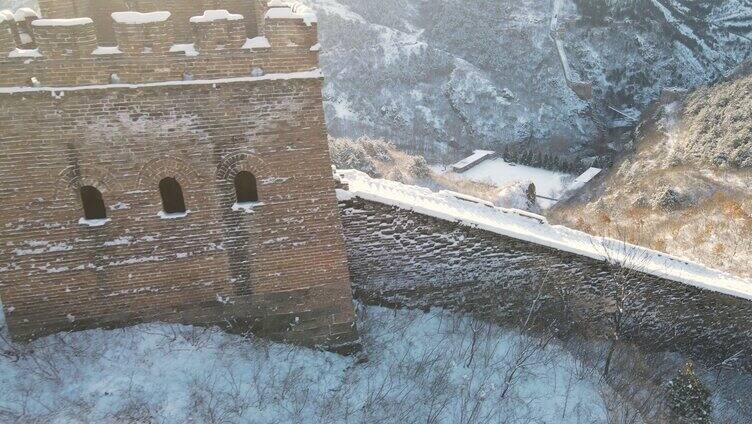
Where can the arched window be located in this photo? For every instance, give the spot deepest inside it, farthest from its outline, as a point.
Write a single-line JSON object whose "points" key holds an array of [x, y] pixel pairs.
{"points": [[246, 189], [172, 196], [94, 208]]}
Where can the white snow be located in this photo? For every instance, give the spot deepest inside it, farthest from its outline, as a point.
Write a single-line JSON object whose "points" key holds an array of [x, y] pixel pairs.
{"points": [[62, 22], [25, 53], [25, 12], [419, 365], [138, 18], [501, 173], [105, 50], [281, 13], [285, 10], [476, 157], [466, 198], [247, 207], [257, 43], [583, 179], [188, 49], [521, 225], [216, 15], [179, 215], [93, 222], [314, 74], [119, 241], [514, 196], [7, 16]]}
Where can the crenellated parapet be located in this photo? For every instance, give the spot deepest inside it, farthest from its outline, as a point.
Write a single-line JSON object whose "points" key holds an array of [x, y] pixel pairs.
{"points": [[19, 24], [61, 9], [62, 38], [219, 30], [147, 47], [24, 33], [290, 26], [7, 40], [143, 33]]}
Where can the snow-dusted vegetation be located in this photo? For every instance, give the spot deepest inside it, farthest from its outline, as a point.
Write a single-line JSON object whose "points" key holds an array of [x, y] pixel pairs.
{"points": [[442, 76], [687, 190], [415, 367], [421, 367]]}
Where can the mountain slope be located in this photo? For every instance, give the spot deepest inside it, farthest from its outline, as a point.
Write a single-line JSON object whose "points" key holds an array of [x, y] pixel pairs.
{"points": [[449, 75], [687, 190]]}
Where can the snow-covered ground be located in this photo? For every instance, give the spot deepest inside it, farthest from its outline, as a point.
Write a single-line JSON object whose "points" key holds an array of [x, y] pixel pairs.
{"points": [[501, 173], [420, 365]]}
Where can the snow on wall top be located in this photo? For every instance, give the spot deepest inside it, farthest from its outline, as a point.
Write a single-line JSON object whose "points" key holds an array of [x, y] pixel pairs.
{"points": [[476, 157], [138, 18], [283, 9], [6, 16], [216, 15], [313, 74], [25, 12], [62, 22], [534, 229], [585, 178]]}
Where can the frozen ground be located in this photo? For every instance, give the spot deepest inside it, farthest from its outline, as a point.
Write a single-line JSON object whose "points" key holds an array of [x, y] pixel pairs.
{"points": [[420, 368]]}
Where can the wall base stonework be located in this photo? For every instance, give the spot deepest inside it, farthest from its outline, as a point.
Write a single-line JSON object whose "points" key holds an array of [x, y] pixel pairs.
{"points": [[401, 258]]}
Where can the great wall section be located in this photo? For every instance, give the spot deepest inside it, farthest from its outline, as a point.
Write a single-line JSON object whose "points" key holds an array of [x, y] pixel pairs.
{"points": [[179, 174], [172, 164], [410, 247]]}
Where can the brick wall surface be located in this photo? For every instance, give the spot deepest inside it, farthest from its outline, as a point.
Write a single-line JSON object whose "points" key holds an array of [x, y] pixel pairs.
{"points": [[281, 270], [401, 258], [182, 11], [68, 55], [7, 40]]}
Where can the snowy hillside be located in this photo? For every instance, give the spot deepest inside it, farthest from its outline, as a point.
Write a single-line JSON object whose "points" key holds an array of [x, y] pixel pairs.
{"points": [[420, 368], [687, 190], [465, 74]]}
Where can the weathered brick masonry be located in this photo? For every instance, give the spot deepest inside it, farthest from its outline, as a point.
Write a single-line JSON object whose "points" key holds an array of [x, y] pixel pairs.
{"points": [[403, 258], [124, 122]]}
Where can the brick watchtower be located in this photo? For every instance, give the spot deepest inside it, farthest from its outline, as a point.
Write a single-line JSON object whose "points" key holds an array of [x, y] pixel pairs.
{"points": [[168, 160]]}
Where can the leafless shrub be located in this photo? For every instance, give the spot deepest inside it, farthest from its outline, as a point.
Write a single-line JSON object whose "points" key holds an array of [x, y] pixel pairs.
{"points": [[390, 383]]}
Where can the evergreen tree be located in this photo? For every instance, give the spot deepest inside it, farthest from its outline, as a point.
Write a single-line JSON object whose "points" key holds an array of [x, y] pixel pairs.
{"points": [[688, 399], [539, 160], [507, 154]]}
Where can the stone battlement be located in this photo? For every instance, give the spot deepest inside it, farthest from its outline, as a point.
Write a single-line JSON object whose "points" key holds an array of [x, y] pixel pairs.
{"points": [[151, 47]]}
